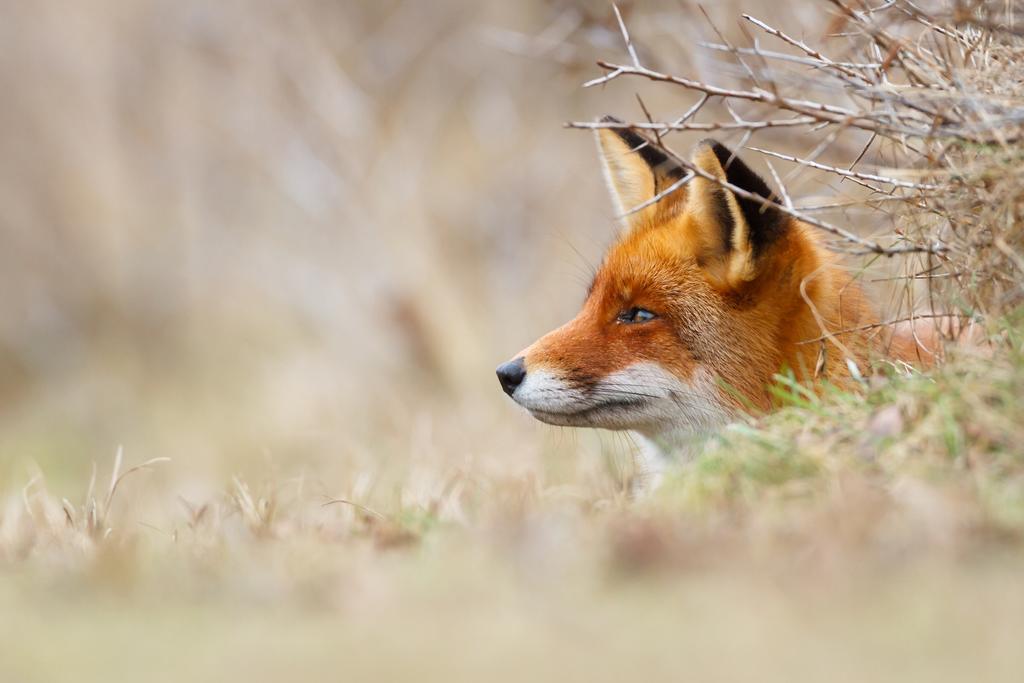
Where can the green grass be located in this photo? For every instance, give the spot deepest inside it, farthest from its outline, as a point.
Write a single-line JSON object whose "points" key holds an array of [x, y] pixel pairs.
{"points": [[958, 427]]}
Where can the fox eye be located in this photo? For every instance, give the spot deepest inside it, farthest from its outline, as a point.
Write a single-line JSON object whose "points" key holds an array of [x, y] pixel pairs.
{"points": [[636, 315]]}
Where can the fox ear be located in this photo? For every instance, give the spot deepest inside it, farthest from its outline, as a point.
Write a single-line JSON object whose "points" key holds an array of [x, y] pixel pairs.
{"points": [[635, 172], [731, 232]]}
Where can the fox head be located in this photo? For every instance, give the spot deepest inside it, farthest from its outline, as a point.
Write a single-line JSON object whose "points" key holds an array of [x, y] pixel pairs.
{"points": [[701, 300]]}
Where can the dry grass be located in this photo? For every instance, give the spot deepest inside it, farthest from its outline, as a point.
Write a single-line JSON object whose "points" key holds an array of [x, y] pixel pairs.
{"points": [[861, 536], [283, 247]]}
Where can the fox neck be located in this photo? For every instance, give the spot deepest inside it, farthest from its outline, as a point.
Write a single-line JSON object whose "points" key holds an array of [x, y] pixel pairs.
{"points": [[659, 449], [813, 318], [835, 311]]}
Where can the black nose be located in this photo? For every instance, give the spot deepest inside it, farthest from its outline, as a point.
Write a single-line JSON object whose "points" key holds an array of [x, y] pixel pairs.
{"points": [[512, 374]]}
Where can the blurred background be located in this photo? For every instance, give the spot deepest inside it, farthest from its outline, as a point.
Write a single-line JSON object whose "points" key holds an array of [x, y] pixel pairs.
{"points": [[290, 242], [304, 233]]}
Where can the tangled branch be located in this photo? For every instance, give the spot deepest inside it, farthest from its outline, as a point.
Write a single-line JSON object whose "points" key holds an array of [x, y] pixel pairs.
{"points": [[925, 84]]}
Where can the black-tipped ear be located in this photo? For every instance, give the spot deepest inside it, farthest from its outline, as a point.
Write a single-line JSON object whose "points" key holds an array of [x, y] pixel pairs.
{"points": [[635, 170], [661, 166], [732, 231], [766, 223]]}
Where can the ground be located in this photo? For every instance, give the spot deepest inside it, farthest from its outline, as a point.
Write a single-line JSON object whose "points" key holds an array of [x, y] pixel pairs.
{"points": [[873, 534]]}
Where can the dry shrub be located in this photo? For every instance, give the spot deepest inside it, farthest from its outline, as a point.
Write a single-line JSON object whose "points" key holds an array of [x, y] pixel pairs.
{"points": [[930, 97]]}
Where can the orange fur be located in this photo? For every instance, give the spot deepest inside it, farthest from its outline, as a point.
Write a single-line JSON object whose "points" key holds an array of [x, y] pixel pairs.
{"points": [[727, 305], [745, 336]]}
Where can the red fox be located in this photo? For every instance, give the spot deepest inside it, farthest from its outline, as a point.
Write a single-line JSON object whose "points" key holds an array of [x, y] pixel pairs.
{"points": [[703, 299]]}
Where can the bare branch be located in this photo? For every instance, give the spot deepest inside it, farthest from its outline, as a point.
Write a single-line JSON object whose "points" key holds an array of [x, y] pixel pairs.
{"points": [[845, 173], [625, 36], [782, 187], [868, 245], [783, 57], [811, 52], [661, 195], [656, 127], [884, 323], [831, 111]]}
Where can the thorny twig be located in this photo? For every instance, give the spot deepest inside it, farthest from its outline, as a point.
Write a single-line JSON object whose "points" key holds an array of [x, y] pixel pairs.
{"points": [[895, 88], [899, 86]]}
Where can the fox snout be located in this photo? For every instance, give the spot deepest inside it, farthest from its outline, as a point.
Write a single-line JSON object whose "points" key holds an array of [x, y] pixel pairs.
{"points": [[512, 374]]}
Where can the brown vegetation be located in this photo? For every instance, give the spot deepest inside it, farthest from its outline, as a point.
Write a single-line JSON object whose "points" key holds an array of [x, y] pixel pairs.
{"points": [[285, 245]]}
